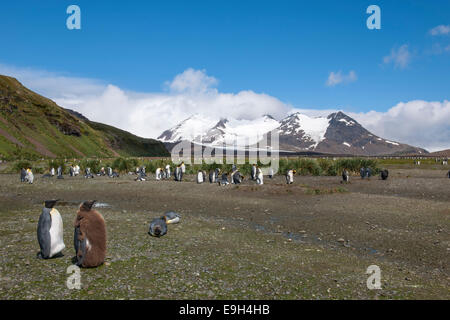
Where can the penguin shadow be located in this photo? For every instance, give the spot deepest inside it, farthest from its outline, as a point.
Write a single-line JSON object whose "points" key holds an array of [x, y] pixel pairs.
{"points": [[58, 255]]}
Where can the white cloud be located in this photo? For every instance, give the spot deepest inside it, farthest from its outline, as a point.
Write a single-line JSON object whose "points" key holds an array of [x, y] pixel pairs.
{"points": [[401, 57], [440, 30], [420, 123], [338, 77], [192, 81], [148, 114]]}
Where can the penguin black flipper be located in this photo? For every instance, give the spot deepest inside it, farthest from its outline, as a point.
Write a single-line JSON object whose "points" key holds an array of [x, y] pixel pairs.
{"points": [[43, 234]]}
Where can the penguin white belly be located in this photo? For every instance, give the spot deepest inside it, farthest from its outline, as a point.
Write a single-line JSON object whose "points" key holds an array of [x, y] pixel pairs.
{"points": [[174, 220], [56, 233], [260, 178]]}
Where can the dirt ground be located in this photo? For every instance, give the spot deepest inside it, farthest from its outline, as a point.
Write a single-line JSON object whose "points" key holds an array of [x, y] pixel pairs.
{"points": [[314, 239]]}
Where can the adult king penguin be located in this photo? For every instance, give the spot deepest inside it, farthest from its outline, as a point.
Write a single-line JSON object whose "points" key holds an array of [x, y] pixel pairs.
{"points": [[345, 176], [200, 177], [158, 173], [89, 236], [167, 171], [50, 231], [259, 176], [270, 172], [290, 176], [23, 174], [253, 172], [29, 177]]}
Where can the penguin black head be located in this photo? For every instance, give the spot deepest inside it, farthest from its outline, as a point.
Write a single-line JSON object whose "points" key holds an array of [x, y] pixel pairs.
{"points": [[157, 231], [50, 203], [87, 205]]}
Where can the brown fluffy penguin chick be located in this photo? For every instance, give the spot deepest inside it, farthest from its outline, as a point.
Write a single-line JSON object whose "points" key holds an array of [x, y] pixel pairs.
{"points": [[89, 236]]}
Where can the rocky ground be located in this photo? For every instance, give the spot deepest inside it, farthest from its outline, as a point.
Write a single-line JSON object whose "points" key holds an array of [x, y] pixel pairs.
{"points": [[314, 239]]}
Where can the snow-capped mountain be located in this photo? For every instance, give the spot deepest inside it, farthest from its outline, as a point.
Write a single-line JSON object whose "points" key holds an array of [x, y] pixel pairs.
{"points": [[217, 132], [335, 134]]}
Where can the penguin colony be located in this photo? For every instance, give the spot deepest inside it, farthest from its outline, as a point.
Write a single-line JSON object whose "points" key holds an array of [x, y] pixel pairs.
{"points": [[90, 234], [214, 176]]}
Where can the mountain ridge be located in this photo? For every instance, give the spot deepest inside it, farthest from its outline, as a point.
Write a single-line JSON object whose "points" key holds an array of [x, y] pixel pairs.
{"points": [[335, 134]]}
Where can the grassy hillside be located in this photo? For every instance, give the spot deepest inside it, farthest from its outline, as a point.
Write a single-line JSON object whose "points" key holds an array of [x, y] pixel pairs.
{"points": [[128, 144], [32, 126]]}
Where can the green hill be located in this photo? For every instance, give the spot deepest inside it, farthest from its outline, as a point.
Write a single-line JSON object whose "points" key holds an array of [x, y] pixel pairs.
{"points": [[32, 126]]}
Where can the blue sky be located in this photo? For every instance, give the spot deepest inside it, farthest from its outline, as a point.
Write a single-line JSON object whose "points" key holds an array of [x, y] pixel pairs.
{"points": [[285, 49]]}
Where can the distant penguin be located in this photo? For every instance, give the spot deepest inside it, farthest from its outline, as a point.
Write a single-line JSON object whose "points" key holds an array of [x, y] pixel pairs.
{"points": [[171, 217], [253, 172], [384, 174], [270, 172], [23, 174], [362, 172], [76, 170], [259, 176], [59, 173], [231, 176], [89, 236], [52, 171], [71, 171], [177, 173], [448, 174], [212, 176], [167, 168], [158, 227], [290, 176], [158, 173], [29, 177], [224, 180], [200, 177], [345, 176], [109, 172], [368, 172], [88, 174], [50, 231], [237, 177]]}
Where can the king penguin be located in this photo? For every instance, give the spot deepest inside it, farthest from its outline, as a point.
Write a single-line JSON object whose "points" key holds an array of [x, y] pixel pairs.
{"points": [[290, 176], [345, 176], [259, 176], [50, 232], [89, 236], [200, 178], [253, 172]]}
